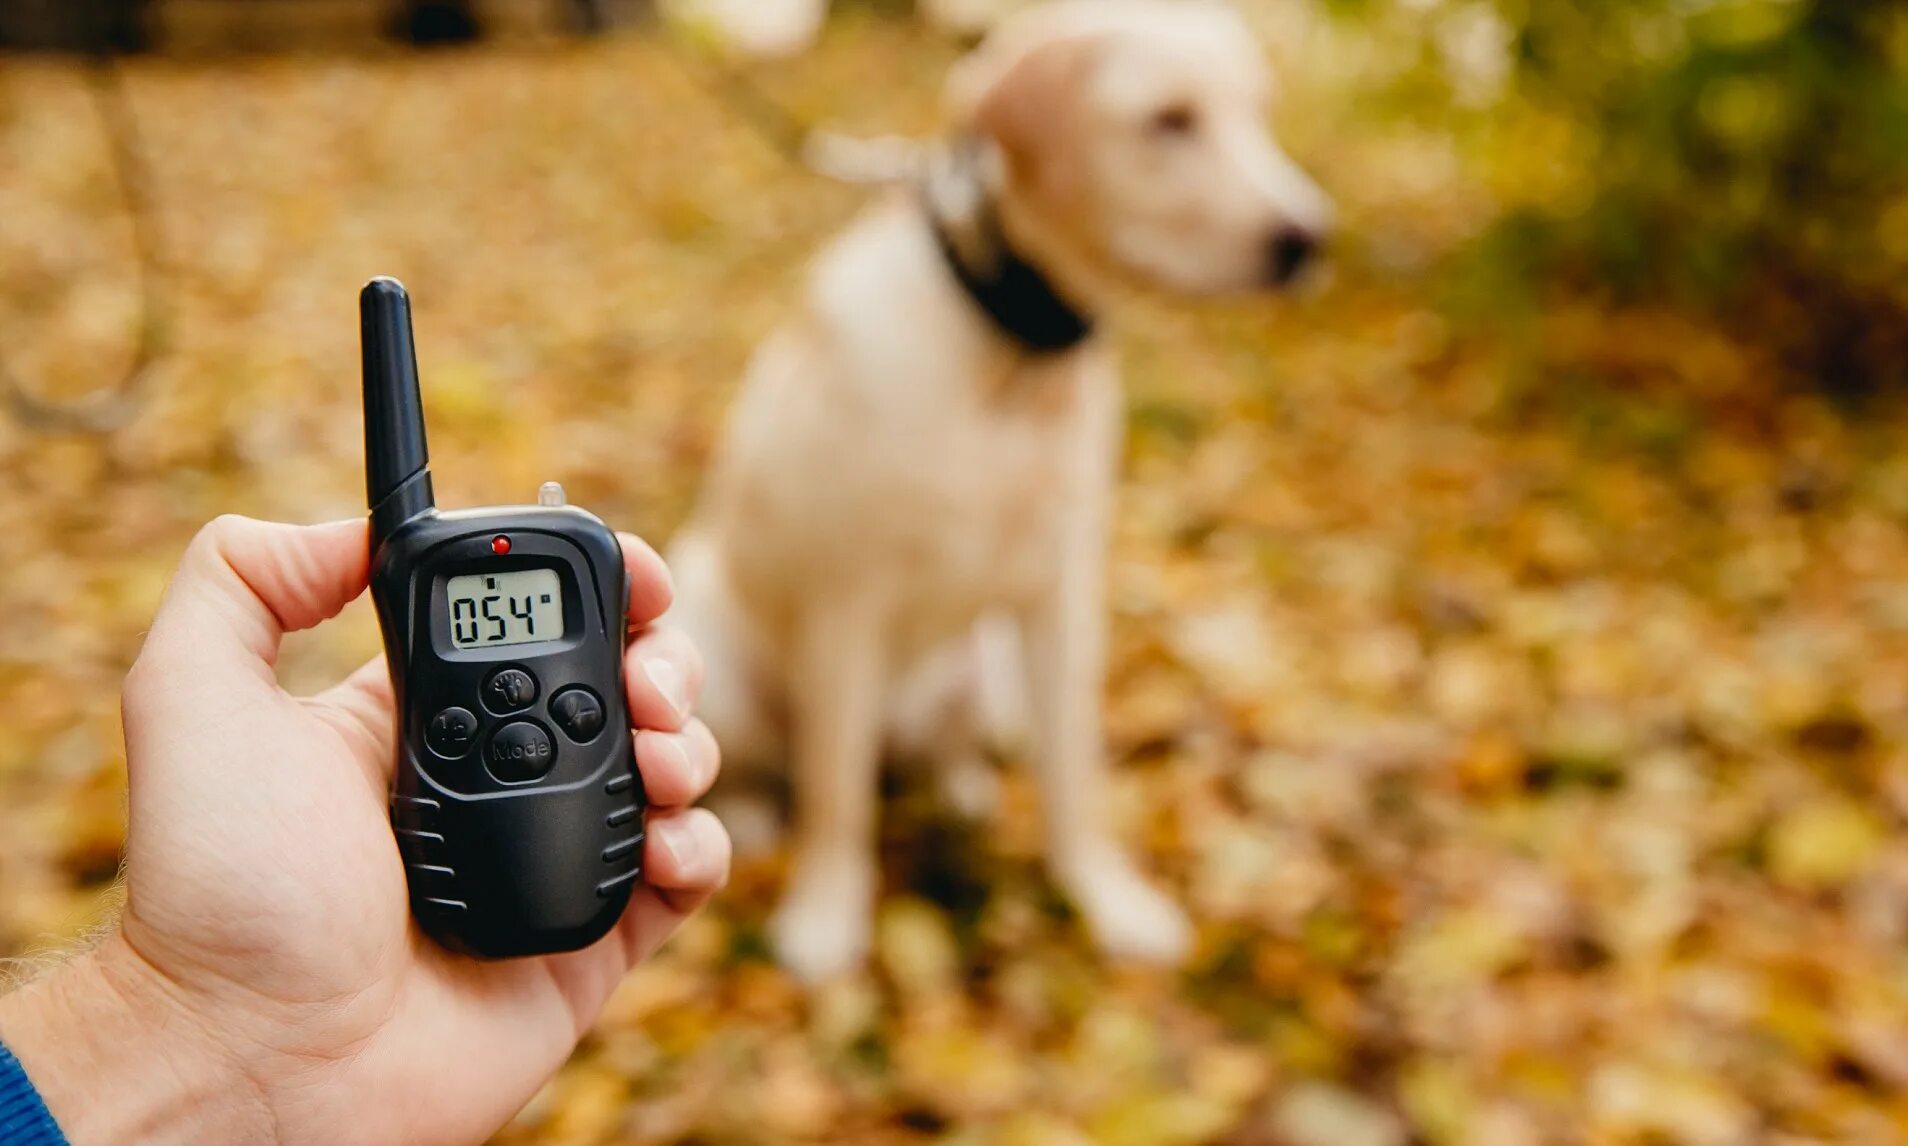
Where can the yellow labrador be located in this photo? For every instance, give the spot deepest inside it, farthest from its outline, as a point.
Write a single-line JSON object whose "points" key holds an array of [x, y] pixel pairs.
{"points": [[932, 441]]}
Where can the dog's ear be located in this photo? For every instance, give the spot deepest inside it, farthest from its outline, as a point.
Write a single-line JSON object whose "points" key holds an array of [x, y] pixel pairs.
{"points": [[1027, 102]]}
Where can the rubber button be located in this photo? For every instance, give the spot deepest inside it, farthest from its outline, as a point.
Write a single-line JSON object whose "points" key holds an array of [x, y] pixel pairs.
{"points": [[519, 752], [451, 732], [508, 690], [578, 713]]}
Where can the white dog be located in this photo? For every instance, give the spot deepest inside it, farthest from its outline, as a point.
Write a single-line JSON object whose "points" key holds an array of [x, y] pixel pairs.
{"points": [[933, 440]]}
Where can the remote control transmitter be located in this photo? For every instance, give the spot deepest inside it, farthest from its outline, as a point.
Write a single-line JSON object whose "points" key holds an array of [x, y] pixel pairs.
{"points": [[517, 806]]}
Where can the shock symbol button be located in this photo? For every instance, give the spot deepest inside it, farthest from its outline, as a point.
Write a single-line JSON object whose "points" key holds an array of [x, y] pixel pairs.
{"points": [[578, 713]]}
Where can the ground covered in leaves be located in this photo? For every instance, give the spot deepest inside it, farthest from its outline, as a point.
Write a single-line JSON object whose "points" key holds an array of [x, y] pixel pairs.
{"points": [[1522, 711]]}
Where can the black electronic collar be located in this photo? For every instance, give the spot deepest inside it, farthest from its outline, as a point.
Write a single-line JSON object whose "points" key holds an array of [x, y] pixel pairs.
{"points": [[1013, 293]]}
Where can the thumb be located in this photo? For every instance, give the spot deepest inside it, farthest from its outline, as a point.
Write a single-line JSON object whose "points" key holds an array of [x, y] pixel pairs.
{"points": [[241, 586]]}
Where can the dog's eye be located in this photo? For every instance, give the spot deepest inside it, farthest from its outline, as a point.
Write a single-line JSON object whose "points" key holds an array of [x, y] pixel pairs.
{"points": [[1178, 120]]}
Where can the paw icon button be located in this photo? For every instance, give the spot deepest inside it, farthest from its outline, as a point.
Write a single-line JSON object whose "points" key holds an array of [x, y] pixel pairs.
{"points": [[451, 732], [509, 689]]}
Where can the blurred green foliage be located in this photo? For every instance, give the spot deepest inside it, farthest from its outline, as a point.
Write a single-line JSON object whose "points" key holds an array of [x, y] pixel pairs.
{"points": [[1747, 159]]}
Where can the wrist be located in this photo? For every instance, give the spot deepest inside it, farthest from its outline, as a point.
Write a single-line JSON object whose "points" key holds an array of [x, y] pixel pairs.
{"points": [[118, 1056]]}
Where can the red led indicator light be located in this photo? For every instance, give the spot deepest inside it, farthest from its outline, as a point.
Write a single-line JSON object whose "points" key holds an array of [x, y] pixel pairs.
{"points": [[500, 545]]}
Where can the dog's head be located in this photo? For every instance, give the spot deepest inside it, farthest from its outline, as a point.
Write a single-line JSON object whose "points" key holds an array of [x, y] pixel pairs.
{"points": [[1132, 137]]}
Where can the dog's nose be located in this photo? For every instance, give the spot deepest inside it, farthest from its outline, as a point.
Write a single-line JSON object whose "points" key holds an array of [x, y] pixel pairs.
{"points": [[1287, 252]]}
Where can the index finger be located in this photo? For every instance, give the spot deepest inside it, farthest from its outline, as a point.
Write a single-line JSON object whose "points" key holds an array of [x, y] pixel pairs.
{"points": [[650, 588]]}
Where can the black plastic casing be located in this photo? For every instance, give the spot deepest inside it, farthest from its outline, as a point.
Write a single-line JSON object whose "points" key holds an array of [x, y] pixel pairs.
{"points": [[499, 868]]}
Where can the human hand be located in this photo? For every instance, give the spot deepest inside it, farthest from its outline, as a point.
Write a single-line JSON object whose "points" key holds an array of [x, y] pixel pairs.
{"points": [[265, 981]]}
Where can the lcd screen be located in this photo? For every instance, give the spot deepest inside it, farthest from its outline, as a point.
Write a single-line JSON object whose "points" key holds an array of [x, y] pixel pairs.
{"points": [[511, 608]]}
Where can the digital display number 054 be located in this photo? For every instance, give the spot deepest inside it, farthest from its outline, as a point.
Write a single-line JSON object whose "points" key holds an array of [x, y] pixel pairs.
{"points": [[505, 608]]}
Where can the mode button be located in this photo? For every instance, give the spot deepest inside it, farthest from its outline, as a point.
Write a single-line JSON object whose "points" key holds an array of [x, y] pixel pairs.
{"points": [[519, 752]]}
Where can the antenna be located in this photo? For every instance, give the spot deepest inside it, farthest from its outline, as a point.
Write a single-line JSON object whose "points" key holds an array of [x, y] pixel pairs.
{"points": [[397, 474]]}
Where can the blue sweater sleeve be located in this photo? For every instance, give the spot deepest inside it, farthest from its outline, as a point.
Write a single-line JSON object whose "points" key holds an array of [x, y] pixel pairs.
{"points": [[24, 1119]]}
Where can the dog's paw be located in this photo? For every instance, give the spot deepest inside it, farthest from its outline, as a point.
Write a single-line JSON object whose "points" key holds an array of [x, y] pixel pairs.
{"points": [[1127, 916], [822, 926]]}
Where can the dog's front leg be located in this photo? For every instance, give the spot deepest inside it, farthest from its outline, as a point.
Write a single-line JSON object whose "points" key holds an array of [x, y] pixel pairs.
{"points": [[835, 691], [1064, 642]]}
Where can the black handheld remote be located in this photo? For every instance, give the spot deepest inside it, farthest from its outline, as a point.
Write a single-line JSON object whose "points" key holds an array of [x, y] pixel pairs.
{"points": [[516, 804]]}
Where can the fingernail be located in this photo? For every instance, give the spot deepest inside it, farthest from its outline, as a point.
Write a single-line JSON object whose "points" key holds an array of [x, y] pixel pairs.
{"points": [[668, 681], [671, 745], [679, 839]]}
